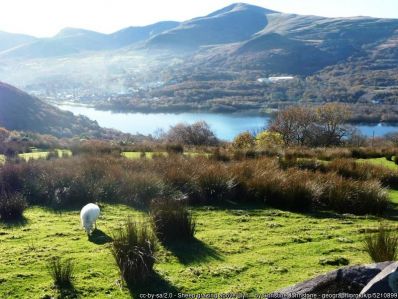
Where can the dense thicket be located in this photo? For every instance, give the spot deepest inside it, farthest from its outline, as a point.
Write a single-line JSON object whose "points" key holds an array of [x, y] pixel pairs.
{"points": [[76, 181]]}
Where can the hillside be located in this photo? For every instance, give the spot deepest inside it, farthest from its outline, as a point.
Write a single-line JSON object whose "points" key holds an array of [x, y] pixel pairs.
{"points": [[71, 41], [213, 62], [10, 40], [237, 22], [20, 111]]}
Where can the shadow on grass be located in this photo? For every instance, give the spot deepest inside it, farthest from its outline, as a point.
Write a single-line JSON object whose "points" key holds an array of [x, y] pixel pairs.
{"points": [[68, 292], [99, 237], [392, 211], [192, 251], [156, 285], [15, 222]]}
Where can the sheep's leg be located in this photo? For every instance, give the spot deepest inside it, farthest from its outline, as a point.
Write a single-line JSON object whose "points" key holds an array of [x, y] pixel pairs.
{"points": [[95, 225]]}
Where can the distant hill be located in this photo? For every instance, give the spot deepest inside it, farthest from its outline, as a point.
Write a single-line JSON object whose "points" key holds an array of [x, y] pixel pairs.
{"points": [[237, 22], [11, 40], [169, 63], [236, 36], [20, 111], [70, 41], [132, 35]]}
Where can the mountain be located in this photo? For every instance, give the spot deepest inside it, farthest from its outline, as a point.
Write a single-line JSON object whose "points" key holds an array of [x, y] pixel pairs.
{"points": [[70, 41], [20, 111], [233, 23], [133, 35], [11, 40], [216, 58], [260, 38]]}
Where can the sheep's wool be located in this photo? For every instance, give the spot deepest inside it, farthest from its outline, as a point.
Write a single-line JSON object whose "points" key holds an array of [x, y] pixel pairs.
{"points": [[88, 215]]}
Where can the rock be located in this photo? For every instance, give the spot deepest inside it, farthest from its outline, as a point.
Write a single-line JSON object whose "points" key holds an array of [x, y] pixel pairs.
{"points": [[345, 280], [384, 282]]}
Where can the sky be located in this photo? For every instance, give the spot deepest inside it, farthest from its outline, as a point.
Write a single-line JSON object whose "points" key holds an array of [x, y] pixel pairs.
{"points": [[44, 18]]}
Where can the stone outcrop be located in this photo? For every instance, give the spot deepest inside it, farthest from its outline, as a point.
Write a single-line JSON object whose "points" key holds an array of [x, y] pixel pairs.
{"points": [[384, 282], [345, 280]]}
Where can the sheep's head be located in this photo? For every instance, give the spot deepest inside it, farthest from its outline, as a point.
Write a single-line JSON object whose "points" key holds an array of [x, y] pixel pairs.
{"points": [[88, 227]]}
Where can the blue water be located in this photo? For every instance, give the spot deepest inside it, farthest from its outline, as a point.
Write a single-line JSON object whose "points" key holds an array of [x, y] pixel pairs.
{"points": [[225, 126]]}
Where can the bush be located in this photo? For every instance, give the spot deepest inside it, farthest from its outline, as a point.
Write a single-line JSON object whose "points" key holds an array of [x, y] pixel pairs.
{"points": [[381, 246], [244, 141], [215, 183], [174, 148], [363, 171], [133, 248], [351, 196], [171, 220], [12, 206], [196, 134], [140, 188], [61, 271]]}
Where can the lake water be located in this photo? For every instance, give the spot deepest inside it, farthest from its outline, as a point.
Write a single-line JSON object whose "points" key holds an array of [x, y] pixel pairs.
{"points": [[225, 126]]}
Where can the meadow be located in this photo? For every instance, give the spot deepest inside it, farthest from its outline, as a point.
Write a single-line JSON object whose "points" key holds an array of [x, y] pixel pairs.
{"points": [[249, 249], [263, 222]]}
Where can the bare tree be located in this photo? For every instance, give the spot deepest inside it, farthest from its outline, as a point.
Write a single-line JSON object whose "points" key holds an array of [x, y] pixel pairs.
{"points": [[198, 133], [294, 123], [321, 126]]}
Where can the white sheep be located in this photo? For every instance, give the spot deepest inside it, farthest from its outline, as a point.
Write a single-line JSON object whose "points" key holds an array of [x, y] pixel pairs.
{"points": [[88, 216]]}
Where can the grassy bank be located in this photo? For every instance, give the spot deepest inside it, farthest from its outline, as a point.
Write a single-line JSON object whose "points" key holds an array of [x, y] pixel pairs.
{"points": [[380, 162], [247, 249], [150, 155]]}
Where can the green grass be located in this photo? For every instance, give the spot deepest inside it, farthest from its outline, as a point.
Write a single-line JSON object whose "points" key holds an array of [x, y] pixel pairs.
{"points": [[2, 159], [138, 155], [239, 249], [149, 155], [380, 162], [35, 155]]}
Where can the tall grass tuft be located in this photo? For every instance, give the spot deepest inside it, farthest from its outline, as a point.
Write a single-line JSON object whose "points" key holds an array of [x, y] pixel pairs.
{"points": [[172, 220], [61, 271], [215, 183], [12, 206], [133, 248], [381, 246]]}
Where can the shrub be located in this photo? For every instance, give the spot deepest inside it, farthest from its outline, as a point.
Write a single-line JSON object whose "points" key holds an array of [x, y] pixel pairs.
{"points": [[381, 246], [215, 183], [174, 148], [244, 141], [171, 220], [363, 171], [61, 271], [181, 178], [12, 206], [140, 188], [266, 139], [198, 133], [133, 248], [351, 196]]}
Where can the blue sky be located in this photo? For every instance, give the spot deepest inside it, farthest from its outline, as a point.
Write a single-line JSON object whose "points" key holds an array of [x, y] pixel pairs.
{"points": [[47, 17]]}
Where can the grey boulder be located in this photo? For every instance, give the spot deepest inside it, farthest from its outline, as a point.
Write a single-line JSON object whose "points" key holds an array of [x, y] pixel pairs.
{"points": [[384, 282], [345, 280]]}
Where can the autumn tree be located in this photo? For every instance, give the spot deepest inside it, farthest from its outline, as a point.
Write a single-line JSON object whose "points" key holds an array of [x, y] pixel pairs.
{"points": [[294, 124], [321, 126], [198, 133], [244, 141]]}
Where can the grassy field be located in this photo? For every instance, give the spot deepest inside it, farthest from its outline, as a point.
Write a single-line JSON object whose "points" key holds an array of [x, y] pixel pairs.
{"points": [[149, 155], [380, 162], [43, 154], [247, 249]]}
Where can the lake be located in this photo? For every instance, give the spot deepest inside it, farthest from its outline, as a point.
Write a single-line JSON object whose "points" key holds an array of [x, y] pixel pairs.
{"points": [[225, 126]]}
